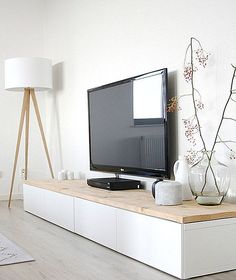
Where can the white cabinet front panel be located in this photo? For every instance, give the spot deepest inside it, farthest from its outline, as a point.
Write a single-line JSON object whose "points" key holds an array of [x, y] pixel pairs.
{"points": [[51, 206], [209, 247], [96, 222], [153, 241], [34, 201], [60, 209]]}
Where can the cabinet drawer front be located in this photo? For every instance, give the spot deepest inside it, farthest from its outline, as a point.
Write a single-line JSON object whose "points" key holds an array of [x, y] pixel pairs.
{"points": [[213, 244], [51, 206], [60, 209], [150, 240], [96, 222], [34, 200]]}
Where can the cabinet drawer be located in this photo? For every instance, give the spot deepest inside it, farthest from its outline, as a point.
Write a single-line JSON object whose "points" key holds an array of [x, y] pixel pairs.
{"points": [[34, 201], [213, 244], [96, 222], [60, 209], [51, 206], [150, 240]]}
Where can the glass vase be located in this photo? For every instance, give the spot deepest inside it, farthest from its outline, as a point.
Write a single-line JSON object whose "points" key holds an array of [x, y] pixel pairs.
{"points": [[209, 180]]}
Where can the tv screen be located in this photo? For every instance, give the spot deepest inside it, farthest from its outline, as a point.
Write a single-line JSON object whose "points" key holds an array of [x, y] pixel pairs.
{"points": [[128, 126]]}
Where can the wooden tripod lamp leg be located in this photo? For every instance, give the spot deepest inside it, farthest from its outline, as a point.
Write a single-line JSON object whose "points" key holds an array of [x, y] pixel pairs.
{"points": [[32, 93], [27, 112], [26, 93]]}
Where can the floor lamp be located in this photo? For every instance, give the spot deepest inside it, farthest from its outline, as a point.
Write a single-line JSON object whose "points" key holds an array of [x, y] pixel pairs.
{"points": [[28, 74]]}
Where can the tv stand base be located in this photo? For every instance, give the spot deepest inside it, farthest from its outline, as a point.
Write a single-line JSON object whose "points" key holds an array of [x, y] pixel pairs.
{"points": [[185, 241]]}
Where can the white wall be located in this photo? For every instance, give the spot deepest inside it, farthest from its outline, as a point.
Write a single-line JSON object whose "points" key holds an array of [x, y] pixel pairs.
{"points": [[94, 42], [21, 33]]}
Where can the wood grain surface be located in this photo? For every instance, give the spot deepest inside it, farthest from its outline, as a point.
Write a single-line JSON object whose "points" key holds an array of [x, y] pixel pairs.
{"points": [[139, 201]]}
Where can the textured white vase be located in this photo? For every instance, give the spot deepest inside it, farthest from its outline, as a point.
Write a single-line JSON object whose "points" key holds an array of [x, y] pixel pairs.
{"points": [[181, 170], [168, 193]]}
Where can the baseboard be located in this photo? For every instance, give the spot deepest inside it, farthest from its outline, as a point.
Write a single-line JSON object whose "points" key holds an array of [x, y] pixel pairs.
{"points": [[14, 196]]}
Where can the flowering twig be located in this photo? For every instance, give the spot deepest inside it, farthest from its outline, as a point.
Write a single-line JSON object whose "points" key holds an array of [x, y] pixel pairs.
{"points": [[196, 116], [193, 94], [196, 54], [193, 156], [174, 101]]}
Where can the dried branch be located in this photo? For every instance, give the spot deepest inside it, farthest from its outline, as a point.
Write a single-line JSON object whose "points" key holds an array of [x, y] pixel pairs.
{"points": [[193, 94], [196, 54], [224, 110], [224, 142], [232, 99], [222, 118], [231, 119]]}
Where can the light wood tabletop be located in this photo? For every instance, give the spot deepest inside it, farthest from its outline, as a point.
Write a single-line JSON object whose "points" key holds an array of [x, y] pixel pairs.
{"points": [[139, 201]]}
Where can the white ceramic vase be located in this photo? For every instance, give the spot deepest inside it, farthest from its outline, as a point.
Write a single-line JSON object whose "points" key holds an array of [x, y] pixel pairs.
{"points": [[168, 193], [181, 171]]}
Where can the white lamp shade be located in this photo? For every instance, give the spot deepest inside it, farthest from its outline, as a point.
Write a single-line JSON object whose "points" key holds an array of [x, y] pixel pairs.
{"points": [[28, 72]]}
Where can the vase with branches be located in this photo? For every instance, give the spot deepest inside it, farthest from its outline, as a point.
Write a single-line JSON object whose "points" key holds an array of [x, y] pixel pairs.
{"points": [[209, 179]]}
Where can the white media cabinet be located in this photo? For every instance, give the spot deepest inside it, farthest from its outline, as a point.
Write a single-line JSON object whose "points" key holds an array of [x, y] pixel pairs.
{"points": [[185, 241]]}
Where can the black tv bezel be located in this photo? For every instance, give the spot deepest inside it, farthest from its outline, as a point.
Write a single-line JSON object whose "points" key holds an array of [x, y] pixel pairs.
{"points": [[133, 170]]}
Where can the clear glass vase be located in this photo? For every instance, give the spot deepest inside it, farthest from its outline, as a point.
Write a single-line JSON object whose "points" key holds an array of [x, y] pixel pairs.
{"points": [[209, 180]]}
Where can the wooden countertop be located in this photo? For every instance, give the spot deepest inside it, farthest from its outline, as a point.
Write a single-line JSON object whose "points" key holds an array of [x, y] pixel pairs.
{"points": [[139, 201]]}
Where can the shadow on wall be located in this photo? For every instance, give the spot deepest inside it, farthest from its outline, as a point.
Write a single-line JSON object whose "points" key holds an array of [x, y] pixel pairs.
{"points": [[173, 121], [54, 128], [58, 74]]}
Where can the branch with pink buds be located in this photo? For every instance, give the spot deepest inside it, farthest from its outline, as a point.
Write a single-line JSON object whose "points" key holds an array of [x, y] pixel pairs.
{"points": [[195, 58]]}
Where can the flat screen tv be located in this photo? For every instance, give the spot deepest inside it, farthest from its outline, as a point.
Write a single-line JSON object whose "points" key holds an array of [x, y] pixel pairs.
{"points": [[128, 126]]}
